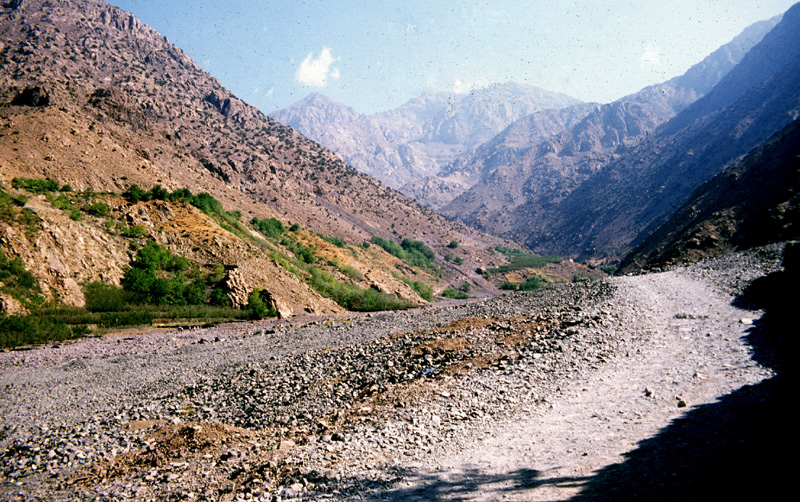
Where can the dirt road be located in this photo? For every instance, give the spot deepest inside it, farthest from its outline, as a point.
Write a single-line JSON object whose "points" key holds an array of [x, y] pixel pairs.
{"points": [[684, 348]]}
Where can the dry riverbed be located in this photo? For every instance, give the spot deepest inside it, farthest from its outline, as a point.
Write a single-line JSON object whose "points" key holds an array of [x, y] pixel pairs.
{"points": [[527, 396]]}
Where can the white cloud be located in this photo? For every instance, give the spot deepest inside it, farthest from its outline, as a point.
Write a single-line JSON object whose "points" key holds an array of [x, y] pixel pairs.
{"points": [[459, 87], [315, 72], [651, 57]]}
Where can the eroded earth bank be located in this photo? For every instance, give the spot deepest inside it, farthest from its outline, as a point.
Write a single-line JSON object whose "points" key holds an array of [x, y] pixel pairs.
{"points": [[652, 386]]}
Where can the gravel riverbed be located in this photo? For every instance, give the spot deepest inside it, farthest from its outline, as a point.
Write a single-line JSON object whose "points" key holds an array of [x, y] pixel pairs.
{"points": [[394, 405]]}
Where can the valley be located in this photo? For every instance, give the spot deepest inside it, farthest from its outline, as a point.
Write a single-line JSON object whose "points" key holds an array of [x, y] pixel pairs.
{"points": [[495, 293]]}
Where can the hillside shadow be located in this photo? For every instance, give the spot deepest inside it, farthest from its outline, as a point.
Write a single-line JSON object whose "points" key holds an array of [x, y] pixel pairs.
{"points": [[744, 445]]}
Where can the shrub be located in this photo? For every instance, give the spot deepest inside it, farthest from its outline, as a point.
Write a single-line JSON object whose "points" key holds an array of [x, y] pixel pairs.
{"points": [[102, 297], [27, 330], [99, 209], [531, 284], [269, 227], [36, 186], [135, 194], [453, 244], [454, 293], [423, 290], [257, 307], [458, 260]]}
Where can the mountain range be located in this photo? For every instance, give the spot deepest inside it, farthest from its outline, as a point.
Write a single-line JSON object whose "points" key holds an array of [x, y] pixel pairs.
{"points": [[588, 179], [418, 138]]}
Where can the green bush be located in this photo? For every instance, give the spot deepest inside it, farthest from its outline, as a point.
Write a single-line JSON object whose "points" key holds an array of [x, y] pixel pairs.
{"points": [[413, 252], [455, 294], [99, 209], [453, 244], [423, 290], [531, 284], [269, 227], [27, 330], [257, 306], [36, 186], [352, 297], [520, 260], [102, 297]]}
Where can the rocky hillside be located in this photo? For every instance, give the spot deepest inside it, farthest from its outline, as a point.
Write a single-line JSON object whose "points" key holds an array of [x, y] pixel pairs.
{"points": [[96, 100], [750, 204], [419, 138], [524, 195]]}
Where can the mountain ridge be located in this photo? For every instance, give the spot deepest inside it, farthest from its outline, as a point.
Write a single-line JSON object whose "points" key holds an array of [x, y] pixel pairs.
{"points": [[419, 137], [548, 184]]}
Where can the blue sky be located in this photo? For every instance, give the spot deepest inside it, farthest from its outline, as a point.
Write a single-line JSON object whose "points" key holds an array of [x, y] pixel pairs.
{"points": [[375, 55]]}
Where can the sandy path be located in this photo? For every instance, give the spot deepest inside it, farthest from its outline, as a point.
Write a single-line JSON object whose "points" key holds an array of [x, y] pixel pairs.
{"points": [[685, 343]]}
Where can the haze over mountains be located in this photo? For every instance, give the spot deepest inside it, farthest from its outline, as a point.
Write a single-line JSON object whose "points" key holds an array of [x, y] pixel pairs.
{"points": [[419, 138], [590, 179]]}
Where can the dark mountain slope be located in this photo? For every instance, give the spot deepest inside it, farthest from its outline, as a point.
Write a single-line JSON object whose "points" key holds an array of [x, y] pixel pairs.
{"points": [[517, 198], [636, 193], [753, 203]]}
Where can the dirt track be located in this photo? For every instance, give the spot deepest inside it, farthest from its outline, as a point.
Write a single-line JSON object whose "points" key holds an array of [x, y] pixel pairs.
{"points": [[685, 347]]}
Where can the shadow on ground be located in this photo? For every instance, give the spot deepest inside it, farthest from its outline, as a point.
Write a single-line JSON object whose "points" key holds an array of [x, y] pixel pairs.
{"points": [[464, 486], [742, 447]]}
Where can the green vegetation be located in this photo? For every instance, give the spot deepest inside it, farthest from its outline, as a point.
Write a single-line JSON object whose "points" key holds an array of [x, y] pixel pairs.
{"points": [[455, 294], [520, 259], [26, 330], [158, 277], [257, 306], [609, 269], [352, 297], [453, 244], [35, 186], [423, 290], [339, 243], [13, 212], [413, 252], [17, 282], [269, 227], [531, 284]]}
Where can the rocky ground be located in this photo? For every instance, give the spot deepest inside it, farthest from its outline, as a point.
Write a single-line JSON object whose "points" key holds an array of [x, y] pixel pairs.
{"points": [[527, 396]]}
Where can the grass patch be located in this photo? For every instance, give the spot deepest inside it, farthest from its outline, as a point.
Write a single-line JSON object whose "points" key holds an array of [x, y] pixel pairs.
{"points": [[520, 260], [413, 252], [531, 284], [352, 297], [454, 294], [423, 290]]}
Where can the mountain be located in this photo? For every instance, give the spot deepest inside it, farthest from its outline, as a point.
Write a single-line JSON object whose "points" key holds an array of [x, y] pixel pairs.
{"points": [[418, 138], [753, 203], [633, 195], [94, 99], [532, 197]]}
